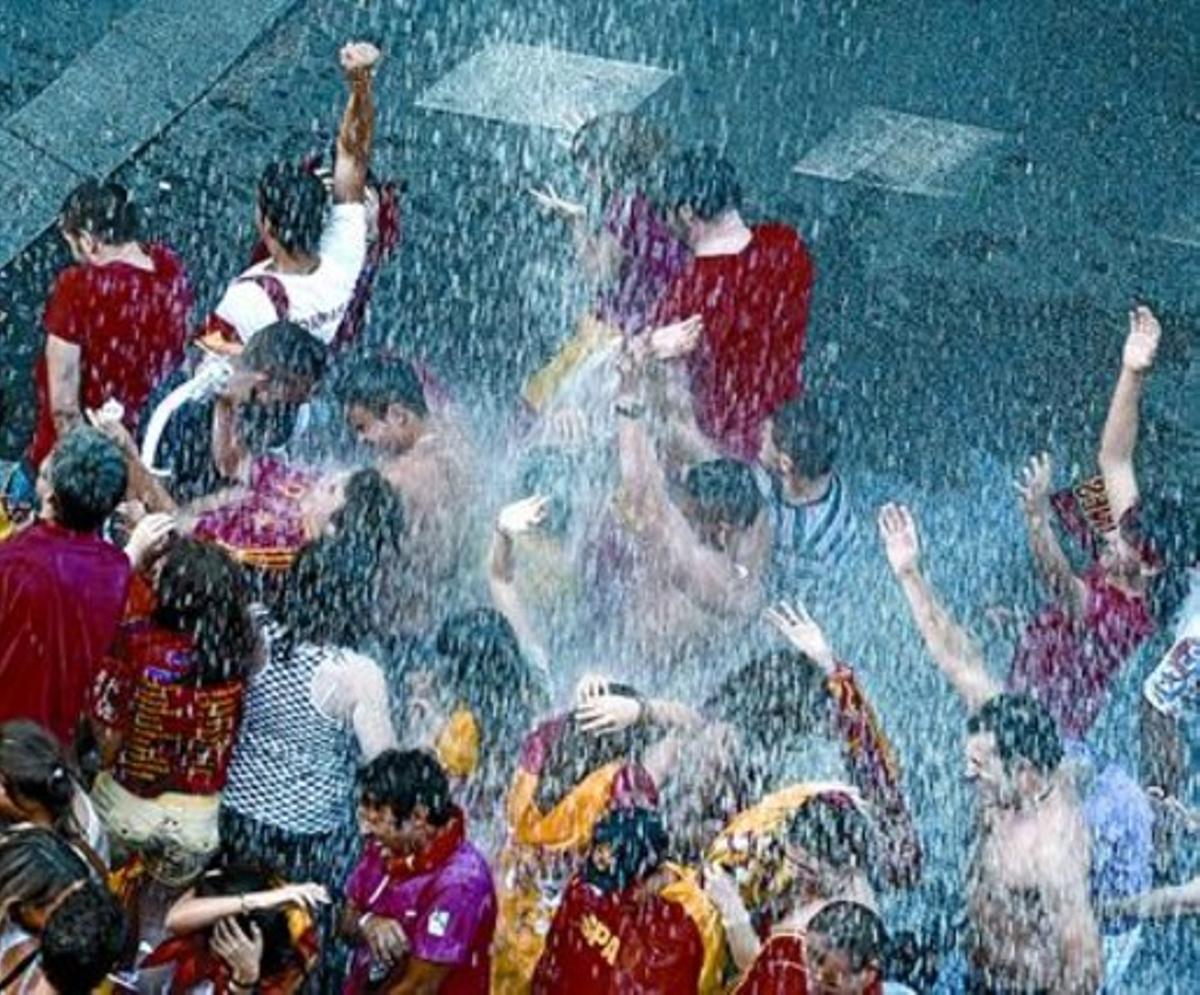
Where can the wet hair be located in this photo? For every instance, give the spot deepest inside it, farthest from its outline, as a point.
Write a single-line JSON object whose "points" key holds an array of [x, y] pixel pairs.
{"points": [[83, 939], [808, 438], [702, 179], [202, 593], [1024, 730], [37, 866], [481, 666], [639, 844], [573, 755], [400, 780], [379, 383], [854, 930], [33, 769], [488, 672], [240, 879], [286, 351], [832, 828], [1166, 525], [553, 472], [88, 478], [291, 200], [102, 210], [344, 573], [625, 146], [724, 490], [771, 701]]}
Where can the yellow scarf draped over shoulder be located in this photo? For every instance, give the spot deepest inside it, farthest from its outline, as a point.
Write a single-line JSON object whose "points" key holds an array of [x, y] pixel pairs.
{"points": [[746, 846], [686, 891]]}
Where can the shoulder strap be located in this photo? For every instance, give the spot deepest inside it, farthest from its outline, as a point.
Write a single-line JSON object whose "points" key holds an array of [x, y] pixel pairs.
{"points": [[273, 287], [18, 970]]}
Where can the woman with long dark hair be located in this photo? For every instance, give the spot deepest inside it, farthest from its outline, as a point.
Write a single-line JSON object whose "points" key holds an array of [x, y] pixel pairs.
{"points": [[168, 706], [319, 704]]}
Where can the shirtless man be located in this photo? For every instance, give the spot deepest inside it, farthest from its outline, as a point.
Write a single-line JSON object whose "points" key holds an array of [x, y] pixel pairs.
{"points": [[426, 456], [1031, 925], [696, 556]]}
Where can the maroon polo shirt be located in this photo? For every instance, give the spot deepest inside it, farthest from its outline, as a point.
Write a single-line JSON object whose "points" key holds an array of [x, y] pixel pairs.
{"points": [[61, 597]]}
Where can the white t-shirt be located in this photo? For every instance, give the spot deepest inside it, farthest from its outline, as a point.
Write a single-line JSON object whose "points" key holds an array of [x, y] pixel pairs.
{"points": [[316, 301]]}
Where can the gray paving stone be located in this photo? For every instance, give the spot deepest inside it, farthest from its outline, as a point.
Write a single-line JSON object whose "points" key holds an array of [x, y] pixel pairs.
{"points": [[30, 182], [158, 60], [541, 86], [193, 43], [100, 110], [904, 152]]}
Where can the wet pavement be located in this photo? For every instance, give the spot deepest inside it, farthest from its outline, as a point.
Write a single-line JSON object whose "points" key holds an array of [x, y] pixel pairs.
{"points": [[965, 315]]}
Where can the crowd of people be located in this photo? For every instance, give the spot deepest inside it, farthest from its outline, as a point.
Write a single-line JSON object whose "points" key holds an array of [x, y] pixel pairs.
{"points": [[277, 713]]}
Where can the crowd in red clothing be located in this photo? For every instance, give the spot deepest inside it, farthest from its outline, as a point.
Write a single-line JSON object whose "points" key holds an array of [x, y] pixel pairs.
{"points": [[257, 731]]}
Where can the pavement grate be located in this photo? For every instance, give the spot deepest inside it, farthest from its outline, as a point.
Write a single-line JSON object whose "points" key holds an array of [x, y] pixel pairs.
{"points": [[928, 156], [1183, 228], [541, 86]]}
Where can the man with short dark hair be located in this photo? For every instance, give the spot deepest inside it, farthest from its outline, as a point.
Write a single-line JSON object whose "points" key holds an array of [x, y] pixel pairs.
{"points": [[62, 587], [691, 562], [1032, 927], [312, 264], [420, 907], [812, 521], [116, 323], [750, 288], [427, 456]]}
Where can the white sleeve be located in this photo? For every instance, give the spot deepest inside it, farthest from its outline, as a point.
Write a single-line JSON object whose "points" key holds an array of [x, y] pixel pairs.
{"points": [[344, 240], [349, 687], [247, 308]]}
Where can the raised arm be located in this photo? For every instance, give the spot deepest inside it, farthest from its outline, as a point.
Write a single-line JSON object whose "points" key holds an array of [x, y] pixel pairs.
{"points": [[950, 645], [1033, 486], [513, 519], [1119, 439], [709, 577], [872, 765], [191, 914], [357, 130]]}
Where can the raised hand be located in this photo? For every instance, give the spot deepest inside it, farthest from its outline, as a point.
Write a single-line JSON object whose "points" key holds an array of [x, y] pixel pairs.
{"points": [[107, 419], [607, 713], [549, 200], [1033, 483], [522, 516], [358, 58], [898, 530], [148, 538], [1141, 345], [675, 340], [310, 895], [590, 686], [240, 950], [796, 625]]}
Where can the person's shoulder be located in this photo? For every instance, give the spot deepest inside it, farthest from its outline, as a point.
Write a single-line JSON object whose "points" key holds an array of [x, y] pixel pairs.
{"points": [[777, 234], [168, 263], [467, 868], [73, 284]]}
